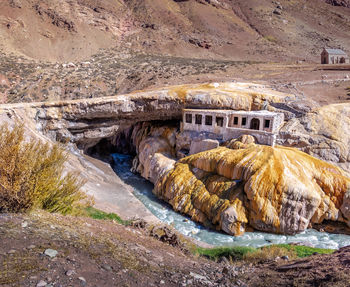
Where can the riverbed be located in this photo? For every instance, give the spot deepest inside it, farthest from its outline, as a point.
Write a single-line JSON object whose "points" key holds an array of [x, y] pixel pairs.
{"points": [[163, 211]]}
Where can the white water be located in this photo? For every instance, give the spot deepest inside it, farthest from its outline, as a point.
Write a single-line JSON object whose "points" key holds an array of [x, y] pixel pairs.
{"points": [[143, 191]]}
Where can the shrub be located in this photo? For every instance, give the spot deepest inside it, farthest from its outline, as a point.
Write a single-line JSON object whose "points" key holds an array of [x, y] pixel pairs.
{"points": [[32, 175], [270, 38]]}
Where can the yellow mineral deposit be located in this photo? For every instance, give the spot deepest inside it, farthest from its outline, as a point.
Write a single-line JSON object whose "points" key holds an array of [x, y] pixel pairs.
{"points": [[280, 189]]}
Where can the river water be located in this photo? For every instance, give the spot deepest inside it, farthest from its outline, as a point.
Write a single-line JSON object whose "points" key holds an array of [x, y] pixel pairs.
{"points": [[143, 191]]}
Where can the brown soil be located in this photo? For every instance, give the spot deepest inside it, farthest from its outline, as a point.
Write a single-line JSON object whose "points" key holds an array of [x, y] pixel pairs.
{"points": [[121, 46], [318, 270], [105, 253], [224, 29]]}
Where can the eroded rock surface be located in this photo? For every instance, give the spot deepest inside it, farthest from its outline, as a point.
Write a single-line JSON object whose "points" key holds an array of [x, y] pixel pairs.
{"points": [[323, 133], [280, 190]]}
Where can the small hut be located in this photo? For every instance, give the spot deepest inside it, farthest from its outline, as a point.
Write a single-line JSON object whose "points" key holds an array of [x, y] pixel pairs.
{"points": [[334, 56]]}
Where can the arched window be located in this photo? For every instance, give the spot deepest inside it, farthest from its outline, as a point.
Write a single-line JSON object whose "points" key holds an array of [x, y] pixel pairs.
{"points": [[255, 124]]}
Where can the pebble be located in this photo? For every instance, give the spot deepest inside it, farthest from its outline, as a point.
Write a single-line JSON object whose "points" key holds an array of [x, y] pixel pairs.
{"points": [[162, 282], [107, 267], [70, 272], [12, 251], [83, 281], [24, 224], [225, 270], [51, 253], [31, 246], [41, 283], [285, 257]]}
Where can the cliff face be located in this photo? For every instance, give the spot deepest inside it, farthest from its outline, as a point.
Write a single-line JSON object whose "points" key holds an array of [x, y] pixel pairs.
{"points": [[280, 190]]}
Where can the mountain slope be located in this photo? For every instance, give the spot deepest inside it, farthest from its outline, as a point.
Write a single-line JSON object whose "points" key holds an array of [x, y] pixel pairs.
{"points": [[219, 29]]}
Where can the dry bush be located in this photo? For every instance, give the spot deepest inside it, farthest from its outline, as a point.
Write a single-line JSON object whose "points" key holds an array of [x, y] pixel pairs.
{"points": [[269, 253], [32, 175]]}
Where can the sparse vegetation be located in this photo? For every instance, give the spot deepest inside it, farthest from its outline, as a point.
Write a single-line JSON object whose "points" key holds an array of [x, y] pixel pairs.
{"points": [[270, 39], [32, 175], [260, 254], [101, 215]]}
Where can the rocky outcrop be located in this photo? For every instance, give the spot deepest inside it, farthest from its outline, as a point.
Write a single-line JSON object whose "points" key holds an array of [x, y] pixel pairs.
{"points": [[203, 145], [280, 190], [85, 122], [323, 133], [155, 150], [344, 3]]}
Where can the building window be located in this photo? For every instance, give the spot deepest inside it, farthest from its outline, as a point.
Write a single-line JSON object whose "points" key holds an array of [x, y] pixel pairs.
{"points": [[189, 118], [235, 121], [244, 121], [208, 120], [267, 124], [198, 119], [220, 121]]}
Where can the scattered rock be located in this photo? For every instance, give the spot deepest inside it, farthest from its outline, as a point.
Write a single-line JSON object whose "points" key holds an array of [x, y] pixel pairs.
{"points": [[24, 224], [12, 251], [41, 283], [225, 270], [285, 257], [165, 234], [139, 223], [223, 260], [106, 267], [83, 281], [70, 272], [51, 253]]}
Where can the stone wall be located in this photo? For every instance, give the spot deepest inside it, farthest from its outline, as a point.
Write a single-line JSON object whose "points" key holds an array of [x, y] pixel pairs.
{"points": [[233, 124]]}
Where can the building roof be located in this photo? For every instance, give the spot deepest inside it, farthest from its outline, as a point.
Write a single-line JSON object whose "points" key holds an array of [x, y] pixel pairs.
{"points": [[335, 51], [233, 112]]}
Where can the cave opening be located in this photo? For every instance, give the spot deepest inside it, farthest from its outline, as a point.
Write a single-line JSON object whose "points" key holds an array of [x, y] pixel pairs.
{"points": [[125, 140]]}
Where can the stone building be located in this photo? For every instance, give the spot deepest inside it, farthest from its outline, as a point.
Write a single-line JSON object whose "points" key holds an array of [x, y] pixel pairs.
{"points": [[334, 56], [229, 124]]}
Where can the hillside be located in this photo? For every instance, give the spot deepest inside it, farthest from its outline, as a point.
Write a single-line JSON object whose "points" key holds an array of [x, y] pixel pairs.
{"points": [[216, 29], [89, 49], [44, 249]]}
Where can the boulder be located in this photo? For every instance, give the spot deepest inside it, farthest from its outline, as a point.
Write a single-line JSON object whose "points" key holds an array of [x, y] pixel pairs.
{"points": [[203, 145]]}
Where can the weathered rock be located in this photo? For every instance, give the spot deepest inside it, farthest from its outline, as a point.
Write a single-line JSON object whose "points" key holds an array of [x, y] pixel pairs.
{"points": [[41, 283], [203, 145], [165, 234], [51, 252], [323, 133], [85, 122], [277, 189]]}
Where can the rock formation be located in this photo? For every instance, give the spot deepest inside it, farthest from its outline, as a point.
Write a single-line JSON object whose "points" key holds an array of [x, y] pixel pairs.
{"points": [[85, 122], [323, 133], [280, 190]]}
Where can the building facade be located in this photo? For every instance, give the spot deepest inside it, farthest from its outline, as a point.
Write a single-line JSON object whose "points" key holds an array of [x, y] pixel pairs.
{"points": [[334, 56], [229, 124]]}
